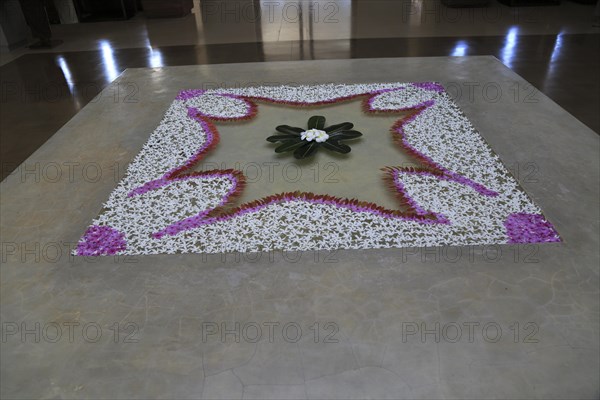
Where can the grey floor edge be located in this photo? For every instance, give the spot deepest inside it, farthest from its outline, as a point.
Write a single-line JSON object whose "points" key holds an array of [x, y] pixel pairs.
{"points": [[509, 322]]}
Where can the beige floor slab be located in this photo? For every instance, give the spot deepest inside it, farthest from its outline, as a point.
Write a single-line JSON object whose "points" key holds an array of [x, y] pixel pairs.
{"points": [[379, 323]]}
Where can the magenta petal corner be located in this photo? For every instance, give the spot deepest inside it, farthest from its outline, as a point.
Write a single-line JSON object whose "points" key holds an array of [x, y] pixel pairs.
{"points": [[101, 241], [434, 86], [530, 228]]}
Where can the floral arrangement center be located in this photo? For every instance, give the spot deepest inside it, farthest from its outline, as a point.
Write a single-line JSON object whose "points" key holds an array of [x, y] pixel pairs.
{"points": [[306, 142]]}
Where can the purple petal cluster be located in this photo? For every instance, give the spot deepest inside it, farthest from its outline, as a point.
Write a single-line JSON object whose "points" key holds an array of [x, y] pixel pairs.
{"points": [[101, 241], [189, 94], [530, 228], [436, 87]]}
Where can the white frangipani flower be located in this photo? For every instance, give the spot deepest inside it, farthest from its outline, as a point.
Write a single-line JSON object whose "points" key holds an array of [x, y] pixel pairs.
{"points": [[314, 134]]}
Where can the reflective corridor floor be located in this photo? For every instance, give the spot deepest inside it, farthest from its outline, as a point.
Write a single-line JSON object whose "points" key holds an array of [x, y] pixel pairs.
{"points": [[555, 49]]}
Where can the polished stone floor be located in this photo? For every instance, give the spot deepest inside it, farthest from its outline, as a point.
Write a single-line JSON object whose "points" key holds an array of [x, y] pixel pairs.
{"points": [[510, 322], [244, 21]]}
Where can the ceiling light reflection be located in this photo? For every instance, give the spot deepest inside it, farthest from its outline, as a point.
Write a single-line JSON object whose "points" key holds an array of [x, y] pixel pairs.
{"points": [[110, 67], [155, 58], [62, 63], [508, 51], [66, 73], [554, 59], [557, 48], [460, 49]]}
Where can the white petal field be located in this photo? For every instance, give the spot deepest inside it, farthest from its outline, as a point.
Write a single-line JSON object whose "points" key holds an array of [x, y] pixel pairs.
{"points": [[463, 196]]}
